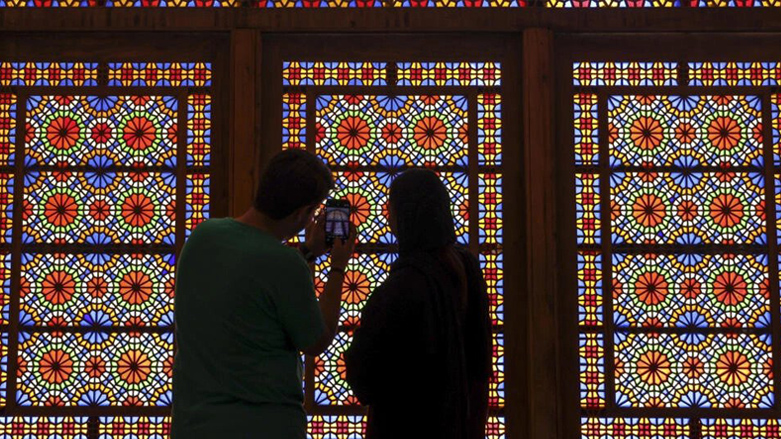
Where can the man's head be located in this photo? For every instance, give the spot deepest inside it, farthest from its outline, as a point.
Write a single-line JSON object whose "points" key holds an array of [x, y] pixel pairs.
{"points": [[291, 187]]}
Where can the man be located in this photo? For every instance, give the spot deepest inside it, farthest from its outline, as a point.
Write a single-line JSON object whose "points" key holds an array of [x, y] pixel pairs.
{"points": [[245, 306]]}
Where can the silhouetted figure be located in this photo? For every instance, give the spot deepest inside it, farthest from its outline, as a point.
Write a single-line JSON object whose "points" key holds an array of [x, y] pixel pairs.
{"points": [[246, 307], [421, 359]]}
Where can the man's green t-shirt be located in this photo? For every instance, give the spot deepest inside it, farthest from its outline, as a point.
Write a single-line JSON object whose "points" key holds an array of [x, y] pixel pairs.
{"points": [[245, 306]]}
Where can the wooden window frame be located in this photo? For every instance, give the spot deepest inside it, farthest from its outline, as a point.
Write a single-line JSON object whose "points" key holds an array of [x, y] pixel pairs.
{"points": [[103, 48], [672, 47], [541, 360], [504, 49]]}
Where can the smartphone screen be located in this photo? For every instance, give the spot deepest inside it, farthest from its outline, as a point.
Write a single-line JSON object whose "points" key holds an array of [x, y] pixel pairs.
{"points": [[337, 220]]}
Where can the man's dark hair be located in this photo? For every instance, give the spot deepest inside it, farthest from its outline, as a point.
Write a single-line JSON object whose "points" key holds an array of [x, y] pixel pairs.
{"points": [[292, 179]]}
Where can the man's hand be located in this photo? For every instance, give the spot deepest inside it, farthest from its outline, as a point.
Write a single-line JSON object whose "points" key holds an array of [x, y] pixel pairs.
{"points": [[315, 235], [331, 298], [343, 250]]}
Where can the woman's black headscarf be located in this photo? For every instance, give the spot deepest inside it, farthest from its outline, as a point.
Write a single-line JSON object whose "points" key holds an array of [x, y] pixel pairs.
{"points": [[422, 207]]}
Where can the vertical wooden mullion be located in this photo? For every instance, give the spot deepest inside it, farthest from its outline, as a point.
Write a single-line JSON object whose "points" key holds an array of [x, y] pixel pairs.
{"points": [[222, 117], [606, 249], [181, 180], [540, 244], [244, 51], [572, 409], [309, 370], [181, 172], [516, 353], [772, 242], [269, 92], [16, 252], [310, 96], [309, 385], [93, 427], [695, 428], [473, 176]]}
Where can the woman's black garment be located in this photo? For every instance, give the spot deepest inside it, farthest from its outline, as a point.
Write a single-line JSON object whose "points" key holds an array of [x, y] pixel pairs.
{"points": [[420, 361]]}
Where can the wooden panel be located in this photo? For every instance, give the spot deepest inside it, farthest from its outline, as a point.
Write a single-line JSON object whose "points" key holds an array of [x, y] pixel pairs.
{"points": [[110, 46], [540, 243], [566, 249], [390, 19], [107, 47], [661, 46], [517, 362], [269, 95], [627, 47], [244, 49], [504, 48]]}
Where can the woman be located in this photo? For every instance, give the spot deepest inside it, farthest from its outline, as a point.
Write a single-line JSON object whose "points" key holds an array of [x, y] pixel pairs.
{"points": [[421, 359]]}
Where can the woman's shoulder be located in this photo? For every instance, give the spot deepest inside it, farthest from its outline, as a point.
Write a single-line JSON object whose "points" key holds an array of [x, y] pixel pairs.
{"points": [[405, 276], [403, 282]]}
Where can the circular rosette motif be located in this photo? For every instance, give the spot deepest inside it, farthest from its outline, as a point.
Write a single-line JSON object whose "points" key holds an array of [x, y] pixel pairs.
{"points": [[138, 133], [735, 209], [647, 212], [54, 210], [646, 133], [355, 135], [732, 128], [138, 210], [690, 370], [667, 208], [661, 130], [345, 129], [674, 290], [646, 368], [53, 130], [147, 137], [61, 210], [364, 274], [52, 288], [62, 134], [438, 131], [134, 367], [102, 290], [101, 136], [740, 292], [742, 366], [126, 130], [139, 369], [49, 369], [145, 208], [392, 136], [417, 130], [651, 290], [636, 129]]}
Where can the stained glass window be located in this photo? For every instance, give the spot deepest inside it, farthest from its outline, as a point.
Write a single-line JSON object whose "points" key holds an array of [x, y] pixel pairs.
{"points": [[450, 121], [100, 183], [677, 263]]}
